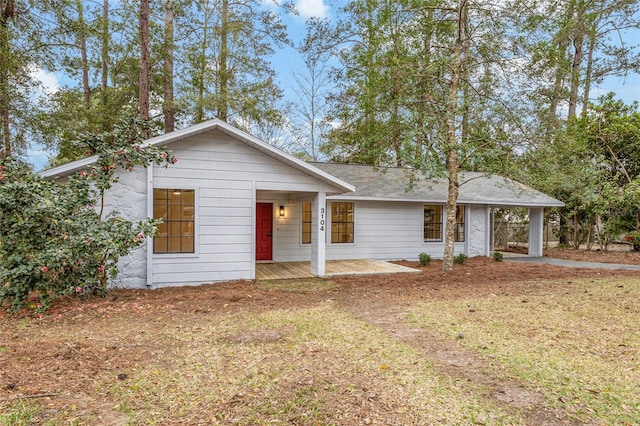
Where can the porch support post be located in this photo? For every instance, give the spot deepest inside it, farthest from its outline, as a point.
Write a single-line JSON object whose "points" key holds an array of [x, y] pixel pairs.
{"points": [[318, 232], [536, 229]]}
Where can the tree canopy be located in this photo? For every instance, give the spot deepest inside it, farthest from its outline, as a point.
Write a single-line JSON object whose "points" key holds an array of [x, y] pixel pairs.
{"points": [[438, 86]]}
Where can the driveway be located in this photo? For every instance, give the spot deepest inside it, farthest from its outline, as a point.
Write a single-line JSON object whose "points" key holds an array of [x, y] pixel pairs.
{"points": [[568, 263]]}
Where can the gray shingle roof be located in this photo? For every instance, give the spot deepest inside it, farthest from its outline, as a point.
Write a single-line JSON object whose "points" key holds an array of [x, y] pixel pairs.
{"points": [[393, 184]]}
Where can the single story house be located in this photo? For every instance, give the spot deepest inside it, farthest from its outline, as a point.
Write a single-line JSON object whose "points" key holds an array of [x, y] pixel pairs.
{"points": [[232, 201]]}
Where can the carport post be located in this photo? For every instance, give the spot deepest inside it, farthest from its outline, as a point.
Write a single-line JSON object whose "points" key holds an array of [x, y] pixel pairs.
{"points": [[318, 232], [536, 230]]}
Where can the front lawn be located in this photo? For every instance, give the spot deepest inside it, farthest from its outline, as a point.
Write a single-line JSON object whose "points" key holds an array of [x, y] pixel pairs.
{"points": [[407, 349]]}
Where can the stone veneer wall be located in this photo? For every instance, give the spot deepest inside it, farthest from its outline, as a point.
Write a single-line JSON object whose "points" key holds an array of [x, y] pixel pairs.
{"points": [[478, 232], [129, 198]]}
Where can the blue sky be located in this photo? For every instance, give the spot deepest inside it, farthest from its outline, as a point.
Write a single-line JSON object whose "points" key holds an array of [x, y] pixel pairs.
{"points": [[285, 62], [288, 61]]}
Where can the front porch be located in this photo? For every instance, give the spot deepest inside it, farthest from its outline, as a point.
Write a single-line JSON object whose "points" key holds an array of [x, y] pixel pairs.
{"points": [[293, 270]]}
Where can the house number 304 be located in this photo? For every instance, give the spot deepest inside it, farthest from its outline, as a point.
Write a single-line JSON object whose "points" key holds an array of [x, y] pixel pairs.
{"points": [[322, 219]]}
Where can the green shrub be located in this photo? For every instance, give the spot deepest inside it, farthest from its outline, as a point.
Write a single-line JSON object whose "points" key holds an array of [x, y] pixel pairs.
{"points": [[460, 259], [424, 258], [55, 241], [497, 256]]}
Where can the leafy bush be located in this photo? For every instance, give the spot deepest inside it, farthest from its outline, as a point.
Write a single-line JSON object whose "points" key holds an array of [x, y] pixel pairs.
{"points": [[497, 256], [424, 258], [460, 259], [54, 239]]}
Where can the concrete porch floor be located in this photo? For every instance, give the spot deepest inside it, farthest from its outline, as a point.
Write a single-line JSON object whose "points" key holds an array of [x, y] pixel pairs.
{"points": [[289, 270]]}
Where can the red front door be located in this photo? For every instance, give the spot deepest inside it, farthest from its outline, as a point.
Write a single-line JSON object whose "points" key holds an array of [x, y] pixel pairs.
{"points": [[264, 231]]}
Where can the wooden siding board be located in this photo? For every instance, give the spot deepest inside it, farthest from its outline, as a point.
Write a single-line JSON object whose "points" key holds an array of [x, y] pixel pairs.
{"points": [[188, 278], [224, 216], [213, 193], [231, 160], [228, 211], [203, 263], [228, 222], [215, 239], [219, 229], [223, 248], [204, 170], [388, 230]]}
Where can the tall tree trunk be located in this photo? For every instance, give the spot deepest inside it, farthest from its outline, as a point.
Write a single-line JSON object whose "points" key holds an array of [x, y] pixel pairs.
{"points": [[144, 62], [560, 74], [452, 143], [168, 105], [105, 48], [464, 76], [82, 41], [576, 231], [557, 96], [396, 96], [576, 67], [201, 65], [424, 64], [223, 71], [588, 74], [6, 14], [312, 123]]}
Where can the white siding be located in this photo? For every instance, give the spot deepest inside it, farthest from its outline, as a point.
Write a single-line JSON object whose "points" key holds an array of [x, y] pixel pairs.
{"points": [[227, 176], [287, 241], [383, 230], [220, 157]]}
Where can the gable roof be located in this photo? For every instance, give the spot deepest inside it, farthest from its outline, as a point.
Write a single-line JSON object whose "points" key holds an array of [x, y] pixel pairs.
{"points": [[392, 184], [361, 181], [207, 126]]}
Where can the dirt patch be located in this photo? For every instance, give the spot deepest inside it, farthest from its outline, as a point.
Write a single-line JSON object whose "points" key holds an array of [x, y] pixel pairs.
{"points": [[454, 360], [55, 360], [614, 253], [620, 254], [258, 336]]}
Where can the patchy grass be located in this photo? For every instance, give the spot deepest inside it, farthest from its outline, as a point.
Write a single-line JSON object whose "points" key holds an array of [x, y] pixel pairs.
{"points": [[303, 366], [579, 344], [312, 285], [19, 413], [354, 351]]}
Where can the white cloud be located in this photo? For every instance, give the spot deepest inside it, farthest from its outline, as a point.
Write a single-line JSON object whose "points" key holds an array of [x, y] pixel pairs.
{"points": [[306, 8], [312, 8], [48, 79]]}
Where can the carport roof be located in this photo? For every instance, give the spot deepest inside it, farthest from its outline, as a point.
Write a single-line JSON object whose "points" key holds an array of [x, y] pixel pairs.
{"points": [[392, 184]]}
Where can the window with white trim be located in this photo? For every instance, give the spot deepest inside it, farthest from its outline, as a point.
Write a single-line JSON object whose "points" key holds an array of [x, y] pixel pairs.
{"points": [[342, 222], [460, 224], [176, 208], [306, 222], [432, 223]]}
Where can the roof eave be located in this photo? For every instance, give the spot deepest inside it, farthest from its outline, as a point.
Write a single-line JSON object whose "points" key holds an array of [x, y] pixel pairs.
{"points": [[500, 203], [74, 166], [167, 138]]}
